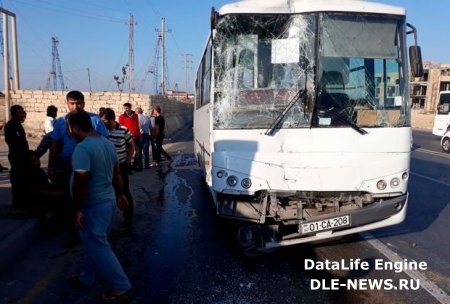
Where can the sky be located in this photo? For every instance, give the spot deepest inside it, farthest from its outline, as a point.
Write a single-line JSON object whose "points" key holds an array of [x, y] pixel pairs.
{"points": [[93, 39]]}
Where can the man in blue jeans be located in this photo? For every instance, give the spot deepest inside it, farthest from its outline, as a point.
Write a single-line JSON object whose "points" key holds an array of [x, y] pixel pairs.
{"points": [[96, 187], [144, 127]]}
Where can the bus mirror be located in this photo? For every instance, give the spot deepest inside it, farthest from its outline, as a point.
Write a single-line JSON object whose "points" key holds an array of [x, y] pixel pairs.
{"points": [[214, 18], [415, 61]]}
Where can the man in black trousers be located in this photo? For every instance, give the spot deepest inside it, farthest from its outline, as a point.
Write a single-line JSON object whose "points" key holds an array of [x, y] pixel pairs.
{"points": [[16, 139]]}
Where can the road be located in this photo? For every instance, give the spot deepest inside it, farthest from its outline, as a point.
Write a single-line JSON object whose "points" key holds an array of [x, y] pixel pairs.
{"points": [[178, 252]]}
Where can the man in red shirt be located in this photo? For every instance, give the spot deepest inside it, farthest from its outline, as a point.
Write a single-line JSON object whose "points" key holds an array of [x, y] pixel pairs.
{"points": [[130, 120]]}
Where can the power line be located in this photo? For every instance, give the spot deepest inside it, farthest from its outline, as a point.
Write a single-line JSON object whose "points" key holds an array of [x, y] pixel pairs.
{"points": [[56, 6], [153, 67]]}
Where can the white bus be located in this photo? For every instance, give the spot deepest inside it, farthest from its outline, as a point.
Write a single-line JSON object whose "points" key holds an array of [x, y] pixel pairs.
{"points": [[441, 122], [302, 118]]}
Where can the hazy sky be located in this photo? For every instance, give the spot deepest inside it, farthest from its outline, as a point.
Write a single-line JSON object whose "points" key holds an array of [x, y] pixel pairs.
{"points": [[94, 34]]}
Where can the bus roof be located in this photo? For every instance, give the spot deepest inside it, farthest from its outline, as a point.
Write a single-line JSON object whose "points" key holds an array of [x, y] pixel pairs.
{"points": [[307, 6]]}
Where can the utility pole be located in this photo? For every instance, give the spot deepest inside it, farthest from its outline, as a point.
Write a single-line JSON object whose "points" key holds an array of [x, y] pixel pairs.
{"points": [[15, 54], [131, 87], [89, 79], [162, 35], [7, 86], [56, 64], [187, 65], [163, 40]]}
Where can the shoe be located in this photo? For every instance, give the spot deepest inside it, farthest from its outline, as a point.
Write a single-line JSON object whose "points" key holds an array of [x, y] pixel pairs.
{"points": [[113, 297]]}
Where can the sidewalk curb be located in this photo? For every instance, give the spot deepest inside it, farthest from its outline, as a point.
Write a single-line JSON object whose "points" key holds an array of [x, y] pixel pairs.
{"points": [[15, 243]]}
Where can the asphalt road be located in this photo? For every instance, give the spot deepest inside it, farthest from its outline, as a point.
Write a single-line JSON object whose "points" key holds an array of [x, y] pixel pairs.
{"points": [[178, 252]]}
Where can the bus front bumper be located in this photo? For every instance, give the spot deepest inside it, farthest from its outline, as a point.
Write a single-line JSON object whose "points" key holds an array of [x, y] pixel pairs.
{"points": [[381, 214]]}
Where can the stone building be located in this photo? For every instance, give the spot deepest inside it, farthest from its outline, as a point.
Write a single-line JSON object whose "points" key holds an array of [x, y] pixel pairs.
{"points": [[425, 90]]}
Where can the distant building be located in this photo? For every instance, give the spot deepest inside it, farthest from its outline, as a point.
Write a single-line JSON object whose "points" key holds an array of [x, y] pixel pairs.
{"points": [[388, 91], [180, 96], [425, 90]]}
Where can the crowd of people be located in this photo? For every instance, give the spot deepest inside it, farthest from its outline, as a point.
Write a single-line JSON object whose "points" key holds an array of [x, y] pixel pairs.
{"points": [[90, 158]]}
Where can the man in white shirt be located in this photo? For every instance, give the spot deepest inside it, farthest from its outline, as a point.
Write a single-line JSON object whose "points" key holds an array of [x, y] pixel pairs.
{"points": [[52, 112], [144, 127]]}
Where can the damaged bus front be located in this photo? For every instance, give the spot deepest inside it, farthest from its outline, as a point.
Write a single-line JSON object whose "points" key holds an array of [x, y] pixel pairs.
{"points": [[302, 119]]}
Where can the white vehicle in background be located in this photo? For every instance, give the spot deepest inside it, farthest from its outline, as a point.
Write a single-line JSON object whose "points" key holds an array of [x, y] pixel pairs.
{"points": [[441, 122], [302, 117]]}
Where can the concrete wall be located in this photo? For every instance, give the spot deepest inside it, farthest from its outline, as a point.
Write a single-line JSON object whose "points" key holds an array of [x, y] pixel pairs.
{"points": [[177, 114]]}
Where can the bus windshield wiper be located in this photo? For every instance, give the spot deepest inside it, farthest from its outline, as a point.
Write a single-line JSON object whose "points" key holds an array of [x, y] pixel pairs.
{"points": [[351, 124], [354, 127], [300, 94]]}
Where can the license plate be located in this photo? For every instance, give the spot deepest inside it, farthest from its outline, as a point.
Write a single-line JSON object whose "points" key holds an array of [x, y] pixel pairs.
{"points": [[326, 224]]}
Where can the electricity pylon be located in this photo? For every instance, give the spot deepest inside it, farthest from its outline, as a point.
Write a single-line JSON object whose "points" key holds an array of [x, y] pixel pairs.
{"points": [[55, 73]]}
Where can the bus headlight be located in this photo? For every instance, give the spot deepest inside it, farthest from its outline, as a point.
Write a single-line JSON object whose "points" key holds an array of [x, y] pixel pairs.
{"points": [[246, 183], [405, 176], [381, 185], [395, 182], [232, 181]]}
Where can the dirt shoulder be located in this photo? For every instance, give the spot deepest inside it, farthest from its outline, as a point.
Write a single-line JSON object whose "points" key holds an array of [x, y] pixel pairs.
{"points": [[421, 120]]}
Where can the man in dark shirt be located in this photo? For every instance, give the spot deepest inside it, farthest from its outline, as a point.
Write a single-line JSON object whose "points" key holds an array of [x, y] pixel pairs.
{"points": [[17, 142], [158, 135]]}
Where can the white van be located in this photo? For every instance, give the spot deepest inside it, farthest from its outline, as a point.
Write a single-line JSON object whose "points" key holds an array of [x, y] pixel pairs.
{"points": [[442, 119]]}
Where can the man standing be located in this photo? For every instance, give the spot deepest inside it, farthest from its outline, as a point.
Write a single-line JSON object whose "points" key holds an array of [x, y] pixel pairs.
{"points": [[63, 144], [17, 142], [158, 135], [49, 121], [97, 186], [60, 156], [122, 140], [130, 120], [144, 128]]}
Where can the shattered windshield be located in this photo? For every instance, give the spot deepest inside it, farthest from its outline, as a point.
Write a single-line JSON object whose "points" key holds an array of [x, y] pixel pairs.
{"points": [[261, 62], [362, 72]]}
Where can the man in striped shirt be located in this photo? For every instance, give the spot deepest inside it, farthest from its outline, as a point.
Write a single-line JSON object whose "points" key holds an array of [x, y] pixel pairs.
{"points": [[123, 141]]}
